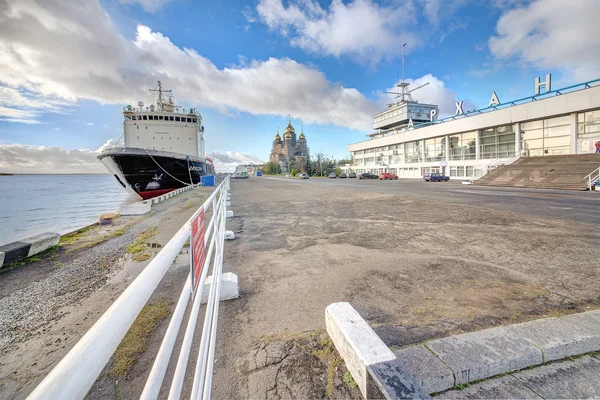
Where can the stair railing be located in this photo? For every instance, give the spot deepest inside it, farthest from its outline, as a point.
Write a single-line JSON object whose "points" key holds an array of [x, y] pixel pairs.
{"points": [[592, 178], [495, 164]]}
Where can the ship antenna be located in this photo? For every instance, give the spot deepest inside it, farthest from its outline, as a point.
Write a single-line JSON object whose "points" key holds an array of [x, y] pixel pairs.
{"points": [[160, 95]]}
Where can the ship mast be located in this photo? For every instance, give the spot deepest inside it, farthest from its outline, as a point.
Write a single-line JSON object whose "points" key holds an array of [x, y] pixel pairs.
{"points": [[404, 93], [160, 91]]}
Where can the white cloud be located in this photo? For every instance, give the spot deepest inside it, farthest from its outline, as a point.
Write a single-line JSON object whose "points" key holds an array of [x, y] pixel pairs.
{"points": [[16, 158], [551, 34], [150, 6], [359, 28], [104, 66], [435, 92], [226, 162], [56, 129]]}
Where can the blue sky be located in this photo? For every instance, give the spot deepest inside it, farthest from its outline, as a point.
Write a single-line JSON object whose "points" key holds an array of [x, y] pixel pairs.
{"points": [[247, 64]]}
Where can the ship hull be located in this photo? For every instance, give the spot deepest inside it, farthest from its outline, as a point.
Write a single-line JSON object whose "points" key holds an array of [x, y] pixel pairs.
{"points": [[150, 173]]}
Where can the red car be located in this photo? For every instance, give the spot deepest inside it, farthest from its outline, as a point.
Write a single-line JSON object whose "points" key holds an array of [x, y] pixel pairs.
{"points": [[387, 175]]}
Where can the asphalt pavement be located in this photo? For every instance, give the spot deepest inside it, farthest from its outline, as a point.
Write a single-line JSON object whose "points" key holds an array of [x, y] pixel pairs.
{"points": [[578, 206]]}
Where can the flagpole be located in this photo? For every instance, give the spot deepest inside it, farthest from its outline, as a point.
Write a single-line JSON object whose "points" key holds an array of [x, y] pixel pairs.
{"points": [[403, 61]]}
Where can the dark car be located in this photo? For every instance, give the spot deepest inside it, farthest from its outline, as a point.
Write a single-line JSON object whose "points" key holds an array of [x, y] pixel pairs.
{"points": [[368, 175], [343, 175], [351, 175], [332, 175], [435, 177]]}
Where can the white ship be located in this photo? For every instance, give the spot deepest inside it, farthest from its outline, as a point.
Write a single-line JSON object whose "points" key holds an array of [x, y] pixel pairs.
{"points": [[164, 148]]}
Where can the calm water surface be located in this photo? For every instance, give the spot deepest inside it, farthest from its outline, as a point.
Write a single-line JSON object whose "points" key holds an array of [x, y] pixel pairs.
{"points": [[33, 204]]}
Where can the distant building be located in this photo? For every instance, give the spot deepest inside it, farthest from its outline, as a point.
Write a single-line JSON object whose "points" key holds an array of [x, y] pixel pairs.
{"points": [[410, 141], [248, 168], [289, 149]]}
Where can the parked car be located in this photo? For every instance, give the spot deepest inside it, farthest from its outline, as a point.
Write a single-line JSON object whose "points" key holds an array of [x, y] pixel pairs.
{"points": [[332, 175], [351, 175], [435, 177], [343, 175], [240, 176], [302, 176], [387, 176], [367, 175]]}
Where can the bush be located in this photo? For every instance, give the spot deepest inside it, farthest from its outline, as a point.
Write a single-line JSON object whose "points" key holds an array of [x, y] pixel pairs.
{"points": [[294, 172]]}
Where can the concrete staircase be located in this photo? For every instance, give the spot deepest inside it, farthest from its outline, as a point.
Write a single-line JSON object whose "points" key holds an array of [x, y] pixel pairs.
{"points": [[566, 172]]}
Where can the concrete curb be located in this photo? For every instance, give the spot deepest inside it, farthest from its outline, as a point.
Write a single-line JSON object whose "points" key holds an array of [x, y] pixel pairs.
{"points": [[372, 364], [229, 287], [444, 363], [20, 250], [144, 206]]}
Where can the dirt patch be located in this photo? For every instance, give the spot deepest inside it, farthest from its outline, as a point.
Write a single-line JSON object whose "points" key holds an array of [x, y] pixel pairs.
{"points": [[298, 366]]}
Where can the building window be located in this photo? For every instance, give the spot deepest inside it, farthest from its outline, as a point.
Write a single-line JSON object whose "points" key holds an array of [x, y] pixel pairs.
{"points": [[463, 146], [413, 151], [550, 136], [144, 117], [189, 120], [435, 149], [177, 119], [194, 120], [588, 125], [171, 119], [138, 137], [498, 142]]}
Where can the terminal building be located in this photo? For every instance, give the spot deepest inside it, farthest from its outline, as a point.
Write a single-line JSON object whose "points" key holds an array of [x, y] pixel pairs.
{"points": [[409, 140]]}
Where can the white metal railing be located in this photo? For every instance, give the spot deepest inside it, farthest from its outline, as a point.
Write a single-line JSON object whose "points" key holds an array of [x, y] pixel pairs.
{"points": [[478, 173], [75, 374], [592, 178]]}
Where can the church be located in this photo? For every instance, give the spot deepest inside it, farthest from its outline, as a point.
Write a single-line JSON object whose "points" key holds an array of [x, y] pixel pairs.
{"points": [[289, 150]]}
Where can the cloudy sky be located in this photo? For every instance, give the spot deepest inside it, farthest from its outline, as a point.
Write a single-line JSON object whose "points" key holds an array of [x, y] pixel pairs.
{"points": [[68, 67]]}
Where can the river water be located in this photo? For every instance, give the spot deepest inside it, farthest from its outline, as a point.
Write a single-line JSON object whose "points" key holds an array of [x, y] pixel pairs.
{"points": [[33, 204]]}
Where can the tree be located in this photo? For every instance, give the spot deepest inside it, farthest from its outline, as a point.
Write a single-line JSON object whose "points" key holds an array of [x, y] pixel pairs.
{"points": [[294, 172], [271, 168], [338, 171]]}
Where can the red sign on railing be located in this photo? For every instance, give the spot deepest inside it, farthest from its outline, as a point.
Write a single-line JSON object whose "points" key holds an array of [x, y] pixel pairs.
{"points": [[197, 248]]}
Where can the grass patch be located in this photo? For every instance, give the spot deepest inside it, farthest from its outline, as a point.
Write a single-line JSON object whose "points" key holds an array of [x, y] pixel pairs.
{"points": [[74, 241], [328, 356], [135, 341], [139, 245], [349, 380], [141, 256]]}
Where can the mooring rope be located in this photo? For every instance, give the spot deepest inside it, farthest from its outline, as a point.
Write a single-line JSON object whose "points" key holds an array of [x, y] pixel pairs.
{"points": [[166, 172]]}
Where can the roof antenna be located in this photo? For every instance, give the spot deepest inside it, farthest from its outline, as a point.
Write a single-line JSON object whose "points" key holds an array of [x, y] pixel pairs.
{"points": [[403, 61]]}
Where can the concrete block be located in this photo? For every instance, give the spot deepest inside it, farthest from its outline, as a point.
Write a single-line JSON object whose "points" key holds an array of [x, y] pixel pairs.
{"points": [[589, 320], [482, 354], [229, 287], [14, 251], [228, 214], [568, 379], [429, 370], [505, 387], [356, 342], [390, 380], [39, 243], [229, 235], [227, 204], [136, 208], [558, 339]]}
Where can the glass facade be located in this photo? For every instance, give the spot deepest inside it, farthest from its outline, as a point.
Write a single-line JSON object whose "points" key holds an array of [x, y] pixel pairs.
{"points": [[498, 142], [413, 151], [589, 125], [550, 136], [463, 146], [435, 149]]}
